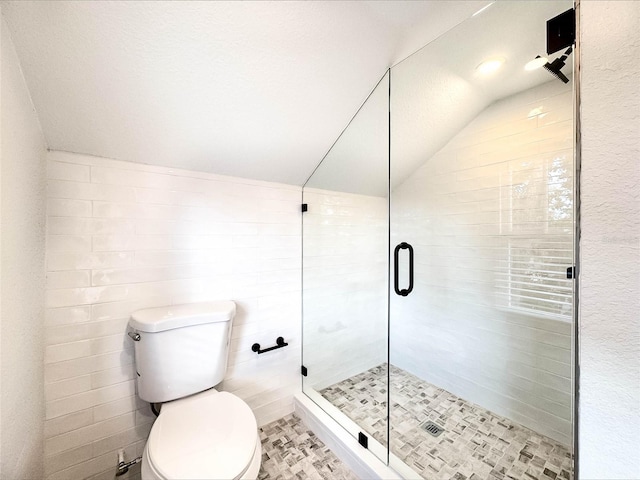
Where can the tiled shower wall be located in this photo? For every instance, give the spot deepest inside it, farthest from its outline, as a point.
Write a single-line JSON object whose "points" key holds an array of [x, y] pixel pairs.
{"points": [[345, 290], [125, 236], [488, 186]]}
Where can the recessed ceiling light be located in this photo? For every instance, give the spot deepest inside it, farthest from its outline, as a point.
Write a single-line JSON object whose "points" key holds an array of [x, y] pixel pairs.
{"points": [[536, 63], [482, 9], [489, 66]]}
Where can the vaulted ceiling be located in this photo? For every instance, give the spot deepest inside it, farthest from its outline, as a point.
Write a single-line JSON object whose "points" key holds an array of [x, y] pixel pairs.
{"points": [[252, 89]]}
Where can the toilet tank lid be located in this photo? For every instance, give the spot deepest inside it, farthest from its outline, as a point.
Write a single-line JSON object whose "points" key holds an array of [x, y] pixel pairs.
{"points": [[175, 316]]}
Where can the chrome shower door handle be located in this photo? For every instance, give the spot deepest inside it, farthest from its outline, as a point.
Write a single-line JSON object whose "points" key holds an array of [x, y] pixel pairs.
{"points": [[405, 291]]}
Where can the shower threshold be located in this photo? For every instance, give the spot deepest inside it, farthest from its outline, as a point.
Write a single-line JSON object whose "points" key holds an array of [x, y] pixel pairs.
{"points": [[475, 444]]}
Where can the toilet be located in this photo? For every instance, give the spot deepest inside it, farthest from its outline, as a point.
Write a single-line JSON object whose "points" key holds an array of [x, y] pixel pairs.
{"points": [[181, 354]]}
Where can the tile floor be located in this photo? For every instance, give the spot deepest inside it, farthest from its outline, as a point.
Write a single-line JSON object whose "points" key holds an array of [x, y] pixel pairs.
{"points": [[476, 443], [291, 451]]}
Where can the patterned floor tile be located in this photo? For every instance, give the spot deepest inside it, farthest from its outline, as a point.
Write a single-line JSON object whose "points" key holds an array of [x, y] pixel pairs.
{"points": [[291, 451], [476, 443]]}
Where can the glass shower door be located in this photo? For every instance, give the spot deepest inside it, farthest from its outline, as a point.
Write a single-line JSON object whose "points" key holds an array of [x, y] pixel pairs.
{"points": [[482, 235], [345, 262]]}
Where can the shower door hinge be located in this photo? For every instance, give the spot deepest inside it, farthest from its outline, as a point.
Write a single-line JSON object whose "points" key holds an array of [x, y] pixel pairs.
{"points": [[303, 370], [305, 207], [571, 272], [363, 440]]}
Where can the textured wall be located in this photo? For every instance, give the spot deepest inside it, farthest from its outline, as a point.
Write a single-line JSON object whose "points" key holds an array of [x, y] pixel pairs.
{"points": [[610, 241], [488, 198], [22, 258], [125, 236]]}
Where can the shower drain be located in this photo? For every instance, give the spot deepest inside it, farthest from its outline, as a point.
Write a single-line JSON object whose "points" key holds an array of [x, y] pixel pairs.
{"points": [[432, 428]]}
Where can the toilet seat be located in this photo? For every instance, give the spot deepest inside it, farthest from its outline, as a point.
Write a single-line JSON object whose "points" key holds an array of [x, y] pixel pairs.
{"points": [[210, 435]]}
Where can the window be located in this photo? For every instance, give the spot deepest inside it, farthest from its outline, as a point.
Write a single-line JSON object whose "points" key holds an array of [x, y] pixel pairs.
{"points": [[537, 278], [538, 231]]}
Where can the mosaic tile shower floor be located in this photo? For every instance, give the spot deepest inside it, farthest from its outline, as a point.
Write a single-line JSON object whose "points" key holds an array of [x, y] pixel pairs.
{"points": [[291, 451], [476, 443]]}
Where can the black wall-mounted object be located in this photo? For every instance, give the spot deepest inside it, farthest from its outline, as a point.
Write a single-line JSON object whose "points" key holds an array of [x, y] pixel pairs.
{"points": [[571, 272], [405, 291], [363, 440], [303, 370], [561, 31], [279, 344], [305, 207]]}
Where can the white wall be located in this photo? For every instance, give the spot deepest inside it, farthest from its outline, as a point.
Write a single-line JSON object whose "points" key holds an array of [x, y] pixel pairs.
{"points": [[610, 241], [345, 289], [491, 187], [125, 236], [22, 258]]}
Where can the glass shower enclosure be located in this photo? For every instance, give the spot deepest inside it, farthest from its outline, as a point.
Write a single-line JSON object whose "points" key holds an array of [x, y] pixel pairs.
{"points": [[438, 257]]}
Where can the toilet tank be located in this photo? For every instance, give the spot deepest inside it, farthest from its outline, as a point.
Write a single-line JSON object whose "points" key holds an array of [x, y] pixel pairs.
{"points": [[181, 349]]}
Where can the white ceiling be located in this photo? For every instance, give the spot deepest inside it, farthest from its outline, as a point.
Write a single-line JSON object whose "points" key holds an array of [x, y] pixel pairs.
{"points": [[252, 89]]}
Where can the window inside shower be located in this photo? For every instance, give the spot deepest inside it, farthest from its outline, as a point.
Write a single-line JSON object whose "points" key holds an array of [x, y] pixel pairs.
{"points": [[539, 227]]}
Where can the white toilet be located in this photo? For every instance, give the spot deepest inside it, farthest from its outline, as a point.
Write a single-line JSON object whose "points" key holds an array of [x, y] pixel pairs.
{"points": [[181, 353]]}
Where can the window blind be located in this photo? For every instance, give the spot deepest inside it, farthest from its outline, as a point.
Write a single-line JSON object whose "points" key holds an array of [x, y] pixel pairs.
{"points": [[535, 275]]}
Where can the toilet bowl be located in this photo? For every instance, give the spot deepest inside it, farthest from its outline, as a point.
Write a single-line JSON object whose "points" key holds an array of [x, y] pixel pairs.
{"points": [[209, 435], [181, 354]]}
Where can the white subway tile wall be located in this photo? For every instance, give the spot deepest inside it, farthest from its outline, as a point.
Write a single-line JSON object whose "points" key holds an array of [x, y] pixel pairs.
{"points": [[506, 179], [345, 286], [124, 236]]}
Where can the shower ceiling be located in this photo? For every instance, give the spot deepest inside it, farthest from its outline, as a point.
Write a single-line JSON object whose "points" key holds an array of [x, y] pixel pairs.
{"points": [[451, 92], [253, 89]]}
